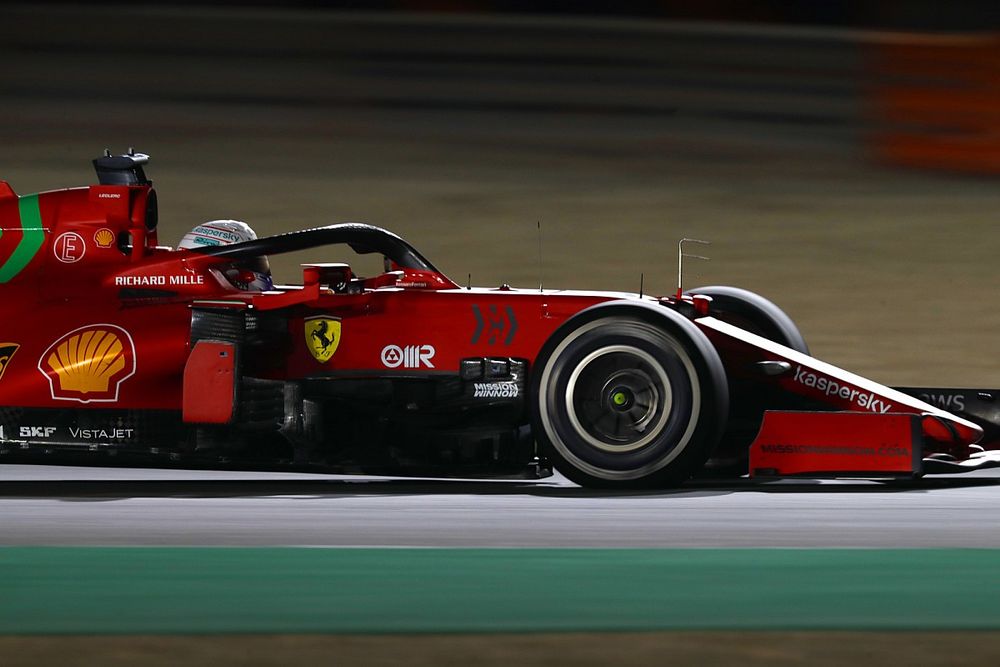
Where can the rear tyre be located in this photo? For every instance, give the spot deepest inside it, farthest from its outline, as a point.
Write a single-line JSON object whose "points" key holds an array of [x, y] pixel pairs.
{"points": [[629, 402]]}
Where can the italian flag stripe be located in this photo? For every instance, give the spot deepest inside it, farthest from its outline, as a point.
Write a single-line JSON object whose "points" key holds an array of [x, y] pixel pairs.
{"points": [[32, 239]]}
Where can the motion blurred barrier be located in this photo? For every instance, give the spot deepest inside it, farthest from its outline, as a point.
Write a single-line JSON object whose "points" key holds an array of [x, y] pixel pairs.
{"points": [[781, 84], [907, 99], [935, 101]]}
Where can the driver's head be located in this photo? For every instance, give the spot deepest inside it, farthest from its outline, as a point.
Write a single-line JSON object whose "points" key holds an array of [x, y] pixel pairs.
{"points": [[247, 274]]}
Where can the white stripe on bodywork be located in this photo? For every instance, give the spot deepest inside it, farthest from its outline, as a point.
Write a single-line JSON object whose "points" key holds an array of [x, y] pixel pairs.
{"points": [[830, 370]]}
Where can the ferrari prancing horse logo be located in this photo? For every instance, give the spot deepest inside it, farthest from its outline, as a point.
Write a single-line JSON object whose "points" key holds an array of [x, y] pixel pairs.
{"points": [[322, 337]]}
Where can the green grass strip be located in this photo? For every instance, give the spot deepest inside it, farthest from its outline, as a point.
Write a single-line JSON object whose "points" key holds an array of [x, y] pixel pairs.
{"points": [[31, 240], [301, 590]]}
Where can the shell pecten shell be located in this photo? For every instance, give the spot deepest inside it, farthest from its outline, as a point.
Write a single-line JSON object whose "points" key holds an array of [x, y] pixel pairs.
{"points": [[88, 361], [104, 238]]}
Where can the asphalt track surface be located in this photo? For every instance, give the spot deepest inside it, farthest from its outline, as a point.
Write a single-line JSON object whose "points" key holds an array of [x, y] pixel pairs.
{"points": [[57, 506]]}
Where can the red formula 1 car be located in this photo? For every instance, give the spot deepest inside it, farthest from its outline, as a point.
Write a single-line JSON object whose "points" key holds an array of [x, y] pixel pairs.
{"points": [[113, 348]]}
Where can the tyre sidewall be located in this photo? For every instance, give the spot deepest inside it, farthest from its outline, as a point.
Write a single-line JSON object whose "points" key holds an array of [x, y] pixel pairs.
{"points": [[696, 415], [751, 311]]}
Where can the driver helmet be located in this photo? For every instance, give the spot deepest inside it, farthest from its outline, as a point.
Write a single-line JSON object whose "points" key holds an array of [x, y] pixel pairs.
{"points": [[253, 274]]}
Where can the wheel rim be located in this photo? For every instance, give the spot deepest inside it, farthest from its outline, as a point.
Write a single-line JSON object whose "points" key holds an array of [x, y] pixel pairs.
{"points": [[553, 404], [618, 397]]}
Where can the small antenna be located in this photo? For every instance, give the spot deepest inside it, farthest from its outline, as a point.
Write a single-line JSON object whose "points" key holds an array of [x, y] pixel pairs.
{"points": [[468, 285], [680, 261], [539, 224], [642, 277]]}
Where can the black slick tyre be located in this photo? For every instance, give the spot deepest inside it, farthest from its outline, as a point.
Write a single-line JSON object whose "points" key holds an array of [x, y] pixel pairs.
{"points": [[754, 313], [628, 398]]}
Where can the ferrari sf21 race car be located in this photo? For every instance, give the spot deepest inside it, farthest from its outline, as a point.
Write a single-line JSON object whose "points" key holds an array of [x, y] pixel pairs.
{"points": [[114, 349]]}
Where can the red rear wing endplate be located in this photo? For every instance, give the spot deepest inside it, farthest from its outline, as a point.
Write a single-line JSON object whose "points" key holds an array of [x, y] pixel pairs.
{"points": [[838, 444]]}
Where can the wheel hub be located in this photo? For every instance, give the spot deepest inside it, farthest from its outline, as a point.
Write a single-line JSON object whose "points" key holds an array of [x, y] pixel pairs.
{"points": [[619, 397]]}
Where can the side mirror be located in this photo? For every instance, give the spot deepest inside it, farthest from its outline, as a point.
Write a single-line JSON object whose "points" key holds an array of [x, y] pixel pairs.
{"points": [[334, 275]]}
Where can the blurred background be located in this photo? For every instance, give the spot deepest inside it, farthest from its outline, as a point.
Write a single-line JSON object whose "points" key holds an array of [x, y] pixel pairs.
{"points": [[842, 157]]}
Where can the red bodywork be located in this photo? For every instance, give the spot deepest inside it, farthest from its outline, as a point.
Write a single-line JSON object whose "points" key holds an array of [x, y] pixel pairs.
{"points": [[98, 315], [795, 443], [404, 308], [939, 431]]}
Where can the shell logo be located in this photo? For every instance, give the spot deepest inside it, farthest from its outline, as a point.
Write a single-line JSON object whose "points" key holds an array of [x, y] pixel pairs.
{"points": [[89, 364], [104, 238]]}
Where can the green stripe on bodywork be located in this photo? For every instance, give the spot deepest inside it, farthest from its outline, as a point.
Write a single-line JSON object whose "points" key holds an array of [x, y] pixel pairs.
{"points": [[153, 590], [32, 239]]}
